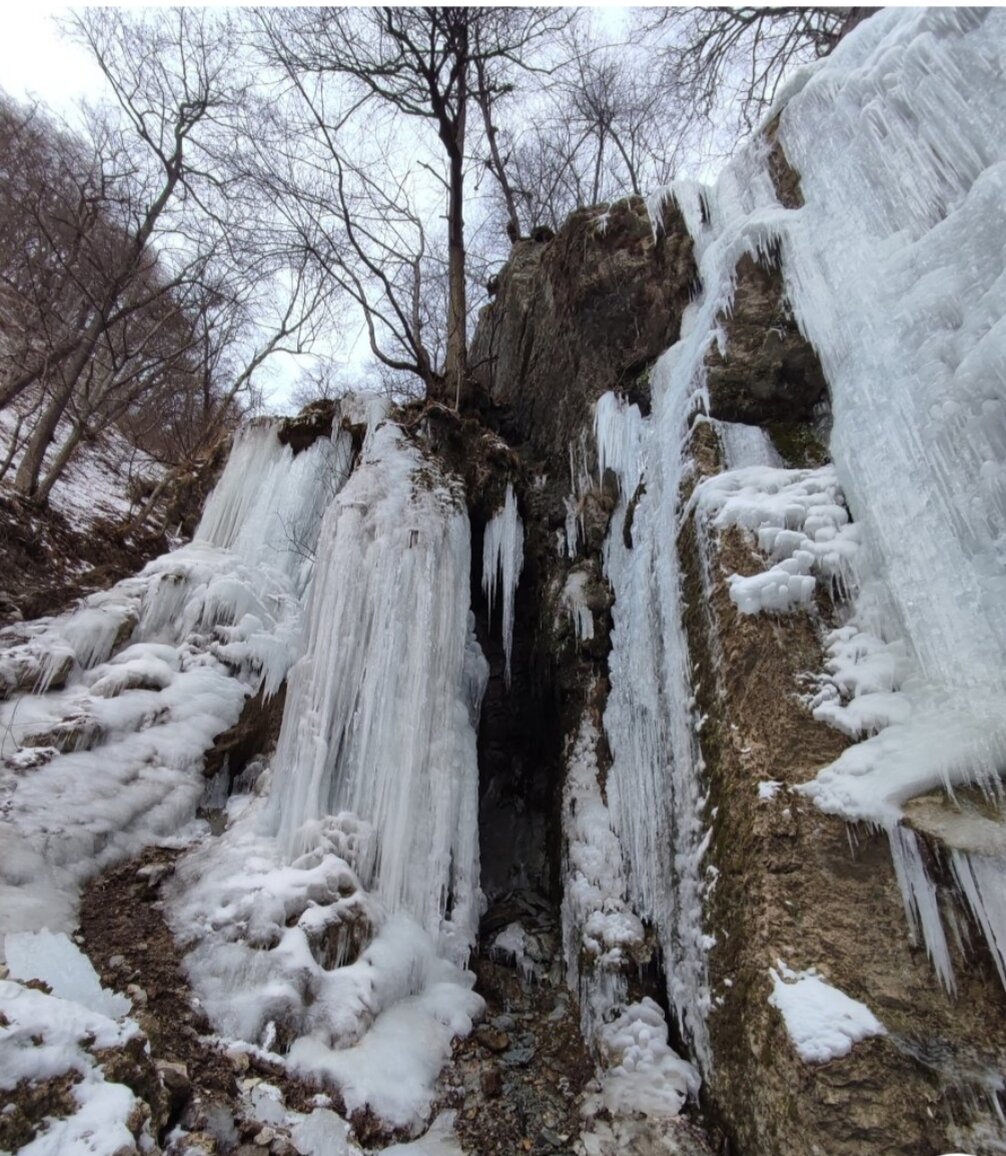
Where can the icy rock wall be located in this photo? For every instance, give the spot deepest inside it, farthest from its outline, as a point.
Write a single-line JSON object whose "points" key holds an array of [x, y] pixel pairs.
{"points": [[896, 273], [381, 712], [655, 789], [267, 506]]}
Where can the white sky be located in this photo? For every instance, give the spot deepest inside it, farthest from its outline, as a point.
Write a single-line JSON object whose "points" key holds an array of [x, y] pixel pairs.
{"points": [[35, 61]]}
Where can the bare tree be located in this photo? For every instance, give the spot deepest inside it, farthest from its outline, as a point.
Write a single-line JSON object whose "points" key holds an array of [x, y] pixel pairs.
{"points": [[138, 272], [739, 56], [427, 66]]}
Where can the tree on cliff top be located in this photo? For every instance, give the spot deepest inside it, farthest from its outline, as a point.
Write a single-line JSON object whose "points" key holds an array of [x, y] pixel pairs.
{"points": [[425, 65]]}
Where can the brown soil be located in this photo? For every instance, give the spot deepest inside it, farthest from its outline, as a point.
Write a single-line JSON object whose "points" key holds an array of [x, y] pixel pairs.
{"points": [[47, 564]]}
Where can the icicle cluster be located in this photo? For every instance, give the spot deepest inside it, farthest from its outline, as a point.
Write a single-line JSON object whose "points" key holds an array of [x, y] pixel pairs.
{"points": [[381, 711], [502, 561], [116, 752]]}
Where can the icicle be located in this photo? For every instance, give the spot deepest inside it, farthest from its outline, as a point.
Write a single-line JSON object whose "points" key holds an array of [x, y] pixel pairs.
{"points": [[503, 560], [982, 878], [618, 428], [921, 904]]}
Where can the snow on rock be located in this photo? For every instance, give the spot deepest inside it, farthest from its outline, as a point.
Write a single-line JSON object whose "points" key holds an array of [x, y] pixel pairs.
{"points": [[502, 561], [800, 522], [57, 961], [43, 1038], [823, 1023]]}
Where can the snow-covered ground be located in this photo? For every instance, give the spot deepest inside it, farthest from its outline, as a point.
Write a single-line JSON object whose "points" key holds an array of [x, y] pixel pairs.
{"points": [[101, 481]]}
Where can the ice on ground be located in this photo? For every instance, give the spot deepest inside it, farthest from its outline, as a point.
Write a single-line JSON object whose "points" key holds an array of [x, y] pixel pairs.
{"points": [[127, 727], [502, 562], [823, 1023], [57, 961], [640, 1072]]}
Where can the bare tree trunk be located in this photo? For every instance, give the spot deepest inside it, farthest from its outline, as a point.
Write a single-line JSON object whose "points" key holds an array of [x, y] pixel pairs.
{"points": [[457, 308], [13, 447], [457, 312], [59, 464], [26, 478]]}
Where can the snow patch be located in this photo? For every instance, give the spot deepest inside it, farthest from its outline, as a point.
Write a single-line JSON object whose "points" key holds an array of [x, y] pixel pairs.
{"points": [[823, 1023]]}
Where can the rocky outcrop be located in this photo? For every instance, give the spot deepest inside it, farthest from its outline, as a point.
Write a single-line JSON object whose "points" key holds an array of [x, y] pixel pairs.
{"points": [[583, 313], [765, 372]]}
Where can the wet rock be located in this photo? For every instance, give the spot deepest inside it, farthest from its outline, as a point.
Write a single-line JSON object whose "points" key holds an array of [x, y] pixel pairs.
{"points": [[492, 1038]]}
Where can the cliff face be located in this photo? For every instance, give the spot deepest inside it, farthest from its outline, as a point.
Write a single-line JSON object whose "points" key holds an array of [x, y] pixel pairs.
{"points": [[793, 896], [661, 687]]}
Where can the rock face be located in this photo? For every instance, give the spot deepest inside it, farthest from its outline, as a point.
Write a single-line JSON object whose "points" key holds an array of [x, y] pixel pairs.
{"points": [[798, 886], [769, 375], [583, 313], [586, 313]]}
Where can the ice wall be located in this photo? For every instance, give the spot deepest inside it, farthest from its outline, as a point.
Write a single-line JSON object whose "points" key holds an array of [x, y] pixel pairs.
{"points": [[894, 270], [896, 273], [654, 787], [381, 712]]}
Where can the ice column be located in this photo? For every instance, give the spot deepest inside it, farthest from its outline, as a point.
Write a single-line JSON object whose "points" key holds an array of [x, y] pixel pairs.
{"points": [[381, 713]]}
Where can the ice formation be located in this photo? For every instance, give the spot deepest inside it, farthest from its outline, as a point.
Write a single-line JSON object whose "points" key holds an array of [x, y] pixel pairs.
{"points": [[120, 742], [654, 786], [598, 925], [382, 710], [574, 598], [502, 561], [893, 268], [331, 921]]}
